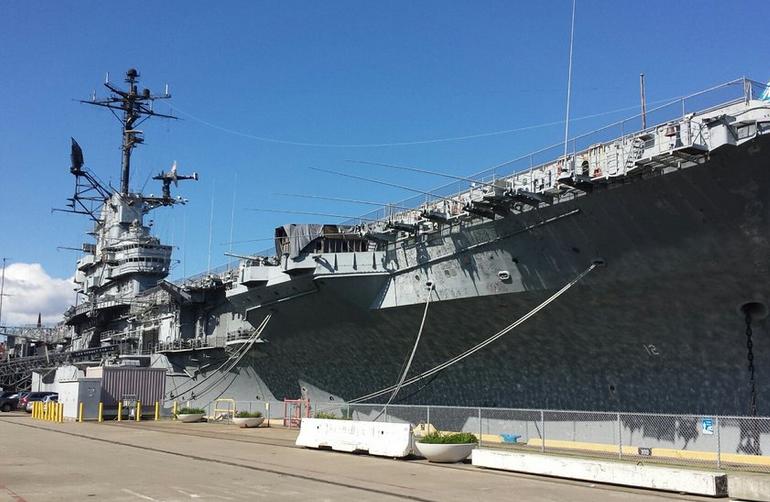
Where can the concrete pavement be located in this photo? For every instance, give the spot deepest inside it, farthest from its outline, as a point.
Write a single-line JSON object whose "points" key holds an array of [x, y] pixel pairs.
{"points": [[170, 461]]}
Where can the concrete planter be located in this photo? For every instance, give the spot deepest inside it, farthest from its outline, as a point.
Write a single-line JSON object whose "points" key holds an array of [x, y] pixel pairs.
{"points": [[189, 418], [248, 421], [445, 453]]}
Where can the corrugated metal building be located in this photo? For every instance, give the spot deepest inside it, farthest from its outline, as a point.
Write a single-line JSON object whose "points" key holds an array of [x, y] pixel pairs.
{"points": [[147, 385]]}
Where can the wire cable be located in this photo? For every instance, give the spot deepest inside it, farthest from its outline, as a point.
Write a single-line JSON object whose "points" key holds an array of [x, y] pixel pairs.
{"points": [[449, 139], [479, 346], [408, 364]]}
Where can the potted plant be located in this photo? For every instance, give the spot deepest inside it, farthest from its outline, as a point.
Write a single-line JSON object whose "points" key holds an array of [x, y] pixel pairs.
{"points": [[247, 419], [188, 415], [441, 447]]}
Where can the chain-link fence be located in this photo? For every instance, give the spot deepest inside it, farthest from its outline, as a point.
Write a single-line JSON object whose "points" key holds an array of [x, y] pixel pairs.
{"points": [[696, 440], [739, 443]]}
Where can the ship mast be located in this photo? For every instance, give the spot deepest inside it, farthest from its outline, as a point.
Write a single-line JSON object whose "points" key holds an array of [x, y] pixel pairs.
{"points": [[136, 107]]}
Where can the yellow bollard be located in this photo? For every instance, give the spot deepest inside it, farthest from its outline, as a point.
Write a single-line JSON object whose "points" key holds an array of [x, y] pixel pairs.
{"points": [[157, 411], [46, 411], [80, 412], [173, 411], [61, 412], [34, 411], [101, 409], [120, 411], [138, 411]]}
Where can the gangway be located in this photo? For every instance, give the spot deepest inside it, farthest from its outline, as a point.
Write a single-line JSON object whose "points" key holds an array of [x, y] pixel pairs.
{"points": [[16, 373]]}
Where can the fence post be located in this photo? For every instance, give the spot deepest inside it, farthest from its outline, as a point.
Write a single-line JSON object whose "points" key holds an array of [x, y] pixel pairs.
{"points": [[719, 444], [480, 427], [620, 438], [542, 430]]}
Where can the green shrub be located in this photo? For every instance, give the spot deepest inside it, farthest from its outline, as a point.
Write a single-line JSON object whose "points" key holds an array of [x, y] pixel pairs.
{"points": [[330, 416], [190, 411], [450, 438], [248, 414]]}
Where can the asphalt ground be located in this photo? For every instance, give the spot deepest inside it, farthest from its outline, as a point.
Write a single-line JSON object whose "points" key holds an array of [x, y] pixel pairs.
{"points": [[171, 461]]}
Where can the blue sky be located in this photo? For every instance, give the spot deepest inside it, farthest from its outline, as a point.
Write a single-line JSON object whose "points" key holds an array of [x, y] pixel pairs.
{"points": [[335, 72]]}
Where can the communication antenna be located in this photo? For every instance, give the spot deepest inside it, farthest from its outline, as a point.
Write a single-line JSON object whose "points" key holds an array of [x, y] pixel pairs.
{"points": [[569, 81], [644, 101], [135, 108], [2, 289]]}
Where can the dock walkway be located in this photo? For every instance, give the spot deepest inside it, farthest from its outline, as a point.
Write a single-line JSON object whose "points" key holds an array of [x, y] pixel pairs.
{"points": [[165, 461]]}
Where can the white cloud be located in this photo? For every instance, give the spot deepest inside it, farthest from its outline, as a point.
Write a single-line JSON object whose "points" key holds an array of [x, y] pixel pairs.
{"points": [[31, 291]]}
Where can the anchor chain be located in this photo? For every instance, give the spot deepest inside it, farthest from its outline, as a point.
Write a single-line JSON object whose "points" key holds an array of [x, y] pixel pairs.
{"points": [[750, 357]]}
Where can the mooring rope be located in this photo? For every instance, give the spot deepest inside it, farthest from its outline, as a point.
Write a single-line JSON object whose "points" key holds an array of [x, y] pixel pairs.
{"points": [[248, 346], [481, 345], [411, 356], [237, 355]]}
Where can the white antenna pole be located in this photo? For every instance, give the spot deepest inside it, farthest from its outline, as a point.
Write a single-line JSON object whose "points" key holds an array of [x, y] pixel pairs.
{"points": [[643, 97], [184, 241], [232, 212], [2, 289], [569, 82], [211, 225]]}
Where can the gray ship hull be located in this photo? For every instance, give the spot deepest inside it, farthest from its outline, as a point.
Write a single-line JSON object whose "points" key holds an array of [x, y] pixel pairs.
{"points": [[659, 328]]}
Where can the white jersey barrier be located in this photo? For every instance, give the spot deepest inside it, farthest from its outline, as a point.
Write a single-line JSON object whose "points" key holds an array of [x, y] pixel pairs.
{"points": [[708, 483], [385, 439]]}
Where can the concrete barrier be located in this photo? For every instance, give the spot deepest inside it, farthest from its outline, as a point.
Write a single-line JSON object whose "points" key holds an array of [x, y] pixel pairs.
{"points": [[384, 439], [712, 484], [750, 487], [655, 452]]}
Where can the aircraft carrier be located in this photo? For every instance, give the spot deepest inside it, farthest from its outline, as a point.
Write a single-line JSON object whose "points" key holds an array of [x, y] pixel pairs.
{"points": [[627, 270]]}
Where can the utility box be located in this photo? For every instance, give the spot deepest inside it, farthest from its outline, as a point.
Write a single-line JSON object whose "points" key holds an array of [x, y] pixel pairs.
{"points": [[84, 390]]}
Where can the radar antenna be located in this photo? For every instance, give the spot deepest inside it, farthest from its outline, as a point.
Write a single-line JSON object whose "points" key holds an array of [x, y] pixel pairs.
{"points": [[136, 107], [90, 194]]}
